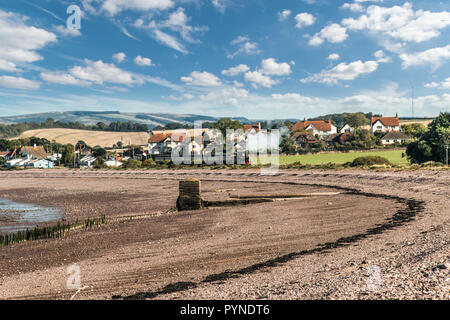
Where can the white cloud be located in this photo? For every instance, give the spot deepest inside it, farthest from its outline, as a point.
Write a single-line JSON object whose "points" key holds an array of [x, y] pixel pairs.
{"points": [[19, 42], [99, 72], [283, 15], [119, 57], [141, 61], [333, 33], [304, 19], [271, 67], [115, 6], [333, 56], [8, 66], [63, 78], [343, 72], [219, 5], [178, 21], [245, 47], [234, 71], [401, 22], [381, 57], [66, 32], [203, 79], [355, 7], [18, 83], [441, 85], [169, 41], [258, 79], [434, 57]]}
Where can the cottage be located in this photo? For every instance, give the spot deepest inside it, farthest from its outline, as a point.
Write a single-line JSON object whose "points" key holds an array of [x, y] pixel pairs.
{"points": [[347, 128], [304, 139], [384, 124], [341, 138], [321, 128], [395, 137]]}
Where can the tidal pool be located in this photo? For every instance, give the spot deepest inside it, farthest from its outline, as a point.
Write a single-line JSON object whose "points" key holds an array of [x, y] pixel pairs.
{"points": [[16, 216]]}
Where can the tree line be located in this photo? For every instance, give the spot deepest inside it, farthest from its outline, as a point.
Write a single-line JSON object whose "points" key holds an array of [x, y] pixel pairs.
{"points": [[16, 129]]}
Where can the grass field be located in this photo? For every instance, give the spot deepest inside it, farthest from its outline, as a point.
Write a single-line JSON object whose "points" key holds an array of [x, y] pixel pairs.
{"points": [[92, 138], [394, 156]]}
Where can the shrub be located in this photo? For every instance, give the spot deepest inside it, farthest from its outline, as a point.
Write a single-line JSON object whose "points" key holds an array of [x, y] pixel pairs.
{"points": [[149, 163], [132, 164], [370, 161]]}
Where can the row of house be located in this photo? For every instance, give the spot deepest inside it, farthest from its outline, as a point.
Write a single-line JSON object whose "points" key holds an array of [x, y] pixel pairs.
{"points": [[306, 132]]}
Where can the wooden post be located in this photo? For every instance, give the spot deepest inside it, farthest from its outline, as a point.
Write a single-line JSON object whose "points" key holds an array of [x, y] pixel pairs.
{"points": [[189, 195]]}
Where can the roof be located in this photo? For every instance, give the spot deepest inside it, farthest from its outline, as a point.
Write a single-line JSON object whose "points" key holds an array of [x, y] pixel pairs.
{"points": [[4, 153], [158, 138], [37, 152], [387, 121], [88, 159], [309, 137], [319, 125], [396, 135], [249, 127], [341, 137]]}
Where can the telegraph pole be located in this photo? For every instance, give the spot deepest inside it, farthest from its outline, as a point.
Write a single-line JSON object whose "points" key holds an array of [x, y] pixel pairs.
{"points": [[446, 152]]}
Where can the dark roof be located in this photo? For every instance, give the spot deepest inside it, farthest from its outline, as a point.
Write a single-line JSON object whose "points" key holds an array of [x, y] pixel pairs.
{"points": [[396, 135]]}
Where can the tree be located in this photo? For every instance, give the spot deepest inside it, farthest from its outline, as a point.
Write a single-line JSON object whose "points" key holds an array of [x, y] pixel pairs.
{"points": [[226, 123], [67, 154], [414, 130], [99, 163], [431, 145], [287, 146], [356, 120]]}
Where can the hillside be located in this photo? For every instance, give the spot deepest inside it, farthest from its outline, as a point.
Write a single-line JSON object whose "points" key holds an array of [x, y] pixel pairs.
{"points": [[93, 117], [92, 138]]}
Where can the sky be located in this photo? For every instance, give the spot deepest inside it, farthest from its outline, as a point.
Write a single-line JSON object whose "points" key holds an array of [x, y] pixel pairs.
{"points": [[260, 59]]}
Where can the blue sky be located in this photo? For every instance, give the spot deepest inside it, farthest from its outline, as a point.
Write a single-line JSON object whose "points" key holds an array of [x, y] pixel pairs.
{"points": [[260, 59]]}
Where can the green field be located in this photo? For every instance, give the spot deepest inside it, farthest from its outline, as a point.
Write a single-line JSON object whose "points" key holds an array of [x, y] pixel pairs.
{"points": [[394, 156]]}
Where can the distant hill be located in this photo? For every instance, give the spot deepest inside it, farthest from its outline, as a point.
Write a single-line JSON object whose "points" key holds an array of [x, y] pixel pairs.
{"points": [[93, 117]]}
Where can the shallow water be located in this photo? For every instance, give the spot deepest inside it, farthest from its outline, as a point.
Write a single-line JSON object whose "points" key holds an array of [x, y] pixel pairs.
{"points": [[16, 216]]}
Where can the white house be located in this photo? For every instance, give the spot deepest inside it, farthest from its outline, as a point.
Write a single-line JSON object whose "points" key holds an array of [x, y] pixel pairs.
{"points": [[347, 128], [384, 124], [395, 137], [87, 161], [113, 163], [40, 163], [321, 128]]}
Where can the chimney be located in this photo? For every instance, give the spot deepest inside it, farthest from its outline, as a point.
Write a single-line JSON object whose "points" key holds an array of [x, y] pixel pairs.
{"points": [[396, 115]]}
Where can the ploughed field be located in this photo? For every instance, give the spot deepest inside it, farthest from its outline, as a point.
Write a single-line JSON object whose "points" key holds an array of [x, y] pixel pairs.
{"points": [[148, 250]]}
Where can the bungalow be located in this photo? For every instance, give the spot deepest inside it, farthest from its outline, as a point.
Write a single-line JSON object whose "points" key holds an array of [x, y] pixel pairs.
{"points": [[395, 137], [303, 139], [321, 128], [40, 163], [384, 124], [87, 161]]}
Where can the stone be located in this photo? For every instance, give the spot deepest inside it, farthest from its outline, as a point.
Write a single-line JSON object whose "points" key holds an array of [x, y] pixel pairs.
{"points": [[189, 197]]}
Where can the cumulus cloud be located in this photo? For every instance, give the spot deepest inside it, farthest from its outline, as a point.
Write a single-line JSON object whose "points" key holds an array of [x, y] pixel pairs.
{"points": [[119, 57], [333, 56], [434, 57], [169, 41], [400, 22], [343, 72], [234, 71], [66, 32], [113, 7], [441, 85], [284, 14], [333, 33], [93, 72], [20, 42], [304, 19], [272, 67], [143, 62], [259, 79], [18, 83], [203, 79]]}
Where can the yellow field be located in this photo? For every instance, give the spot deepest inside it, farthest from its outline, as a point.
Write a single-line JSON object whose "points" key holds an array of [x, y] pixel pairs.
{"points": [[92, 138]]}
